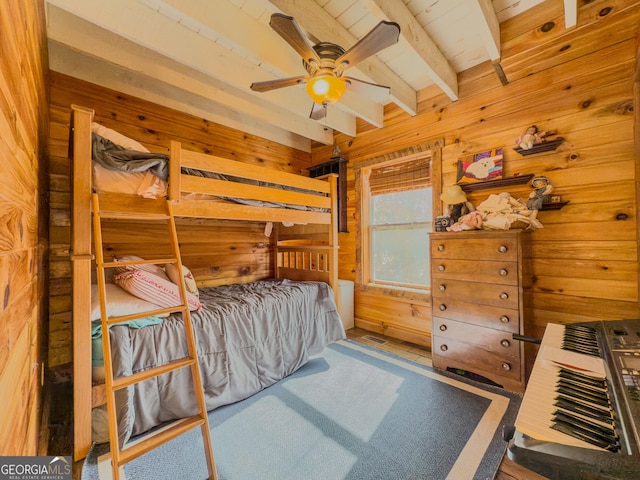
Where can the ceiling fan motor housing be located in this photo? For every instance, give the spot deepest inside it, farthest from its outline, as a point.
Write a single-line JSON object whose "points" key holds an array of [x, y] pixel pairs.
{"points": [[328, 53]]}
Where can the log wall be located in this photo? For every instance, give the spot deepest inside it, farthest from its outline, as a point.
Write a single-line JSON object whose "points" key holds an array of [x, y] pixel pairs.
{"points": [[577, 82], [23, 213], [218, 252]]}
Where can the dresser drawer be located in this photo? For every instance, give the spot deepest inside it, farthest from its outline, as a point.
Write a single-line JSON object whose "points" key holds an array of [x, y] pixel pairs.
{"points": [[496, 341], [498, 272], [466, 356], [499, 318], [505, 296], [472, 248]]}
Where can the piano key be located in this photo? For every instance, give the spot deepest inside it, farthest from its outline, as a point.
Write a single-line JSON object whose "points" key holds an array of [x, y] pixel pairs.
{"points": [[583, 409], [566, 373], [579, 395], [577, 433], [588, 428], [598, 396]]}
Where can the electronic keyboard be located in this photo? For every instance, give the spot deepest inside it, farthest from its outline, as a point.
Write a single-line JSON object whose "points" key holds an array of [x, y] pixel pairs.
{"points": [[580, 413]]}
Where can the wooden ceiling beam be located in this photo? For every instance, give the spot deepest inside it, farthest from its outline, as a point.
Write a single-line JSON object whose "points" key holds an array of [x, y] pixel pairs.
{"points": [[162, 34], [488, 27], [229, 24], [440, 71]]}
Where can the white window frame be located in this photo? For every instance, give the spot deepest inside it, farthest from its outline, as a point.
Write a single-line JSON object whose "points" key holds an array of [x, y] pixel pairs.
{"points": [[366, 228]]}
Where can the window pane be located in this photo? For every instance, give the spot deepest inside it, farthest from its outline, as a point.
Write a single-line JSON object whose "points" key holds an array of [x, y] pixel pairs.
{"points": [[401, 255], [410, 206]]}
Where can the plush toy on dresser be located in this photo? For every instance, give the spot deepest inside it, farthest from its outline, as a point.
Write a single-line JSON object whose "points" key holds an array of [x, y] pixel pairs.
{"points": [[457, 203]]}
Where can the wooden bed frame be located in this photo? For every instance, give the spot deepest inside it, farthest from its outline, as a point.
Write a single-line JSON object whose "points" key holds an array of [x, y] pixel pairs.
{"points": [[314, 260]]}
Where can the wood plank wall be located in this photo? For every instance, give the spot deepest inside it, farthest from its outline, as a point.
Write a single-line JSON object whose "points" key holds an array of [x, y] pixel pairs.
{"points": [[578, 82], [217, 252], [23, 213]]}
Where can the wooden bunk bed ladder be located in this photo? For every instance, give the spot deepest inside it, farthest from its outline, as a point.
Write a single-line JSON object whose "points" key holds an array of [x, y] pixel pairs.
{"points": [[120, 456]]}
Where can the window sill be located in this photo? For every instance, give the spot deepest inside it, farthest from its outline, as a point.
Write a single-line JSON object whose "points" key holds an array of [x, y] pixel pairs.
{"points": [[421, 295]]}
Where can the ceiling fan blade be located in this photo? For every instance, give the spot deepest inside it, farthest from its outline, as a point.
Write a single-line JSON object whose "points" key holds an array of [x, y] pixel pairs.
{"points": [[318, 112], [380, 37], [288, 29], [268, 85], [366, 88]]}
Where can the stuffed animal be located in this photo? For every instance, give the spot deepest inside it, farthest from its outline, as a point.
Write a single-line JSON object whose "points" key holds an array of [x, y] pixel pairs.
{"points": [[530, 138], [457, 204], [470, 221], [540, 195]]}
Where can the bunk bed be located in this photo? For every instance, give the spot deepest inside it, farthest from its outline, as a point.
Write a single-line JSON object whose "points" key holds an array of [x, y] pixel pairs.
{"points": [[300, 265]]}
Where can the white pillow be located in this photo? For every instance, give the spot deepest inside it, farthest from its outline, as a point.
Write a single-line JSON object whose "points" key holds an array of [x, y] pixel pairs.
{"points": [[189, 281], [116, 181], [153, 288], [119, 302], [117, 138], [152, 186]]}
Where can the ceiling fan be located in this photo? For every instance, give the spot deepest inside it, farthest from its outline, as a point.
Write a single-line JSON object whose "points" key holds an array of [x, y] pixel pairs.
{"points": [[326, 62]]}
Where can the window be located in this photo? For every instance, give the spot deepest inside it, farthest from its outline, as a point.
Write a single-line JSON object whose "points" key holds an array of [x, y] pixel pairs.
{"points": [[396, 199]]}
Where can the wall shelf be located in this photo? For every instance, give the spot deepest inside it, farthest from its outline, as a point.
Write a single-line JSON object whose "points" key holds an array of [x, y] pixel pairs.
{"points": [[553, 205], [503, 182], [541, 147], [506, 182]]}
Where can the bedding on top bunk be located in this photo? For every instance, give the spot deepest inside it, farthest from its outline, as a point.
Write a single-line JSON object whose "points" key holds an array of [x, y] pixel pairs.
{"points": [[248, 337], [115, 156]]}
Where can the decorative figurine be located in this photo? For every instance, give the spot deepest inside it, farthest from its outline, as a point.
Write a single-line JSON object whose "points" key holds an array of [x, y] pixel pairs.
{"points": [[456, 201], [530, 138], [540, 195]]}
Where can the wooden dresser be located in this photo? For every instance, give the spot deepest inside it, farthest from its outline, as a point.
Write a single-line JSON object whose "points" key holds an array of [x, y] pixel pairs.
{"points": [[477, 303]]}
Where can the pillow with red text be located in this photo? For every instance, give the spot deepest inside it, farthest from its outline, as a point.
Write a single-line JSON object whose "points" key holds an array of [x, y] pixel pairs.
{"points": [[154, 288]]}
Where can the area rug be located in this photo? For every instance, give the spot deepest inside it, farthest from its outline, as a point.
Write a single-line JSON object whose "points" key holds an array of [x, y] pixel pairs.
{"points": [[352, 412]]}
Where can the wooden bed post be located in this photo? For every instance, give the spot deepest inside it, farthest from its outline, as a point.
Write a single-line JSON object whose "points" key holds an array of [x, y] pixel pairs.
{"points": [[80, 255], [175, 160], [333, 239]]}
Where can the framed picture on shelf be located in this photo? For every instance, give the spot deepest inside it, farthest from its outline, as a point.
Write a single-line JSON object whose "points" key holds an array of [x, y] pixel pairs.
{"points": [[480, 167]]}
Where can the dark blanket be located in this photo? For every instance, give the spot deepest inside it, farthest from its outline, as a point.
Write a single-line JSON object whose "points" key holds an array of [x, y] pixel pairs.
{"points": [[114, 157]]}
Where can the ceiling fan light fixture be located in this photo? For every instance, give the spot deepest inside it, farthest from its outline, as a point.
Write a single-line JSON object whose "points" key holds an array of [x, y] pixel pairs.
{"points": [[326, 88]]}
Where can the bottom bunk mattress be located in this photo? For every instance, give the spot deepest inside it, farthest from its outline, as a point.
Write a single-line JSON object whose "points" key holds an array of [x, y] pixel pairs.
{"points": [[248, 337]]}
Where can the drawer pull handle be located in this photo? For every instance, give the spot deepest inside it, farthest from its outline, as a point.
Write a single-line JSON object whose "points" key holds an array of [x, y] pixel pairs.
{"points": [[505, 343], [443, 328], [504, 319], [504, 272], [441, 268], [504, 295], [506, 366], [442, 307], [441, 248], [502, 249], [444, 348], [442, 287]]}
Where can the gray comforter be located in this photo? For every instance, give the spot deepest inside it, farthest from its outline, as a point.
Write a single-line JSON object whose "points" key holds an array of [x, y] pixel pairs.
{"points": [[248, 337]]}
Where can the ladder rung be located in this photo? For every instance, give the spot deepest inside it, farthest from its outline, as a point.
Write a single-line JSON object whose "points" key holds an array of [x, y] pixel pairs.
{"points": [[134, 216], [139, 262], [122, 382], [160, 437], [150, 313]]}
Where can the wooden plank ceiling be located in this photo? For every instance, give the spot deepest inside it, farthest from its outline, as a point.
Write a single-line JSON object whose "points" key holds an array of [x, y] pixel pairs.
{"points": [[201, 56]]}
